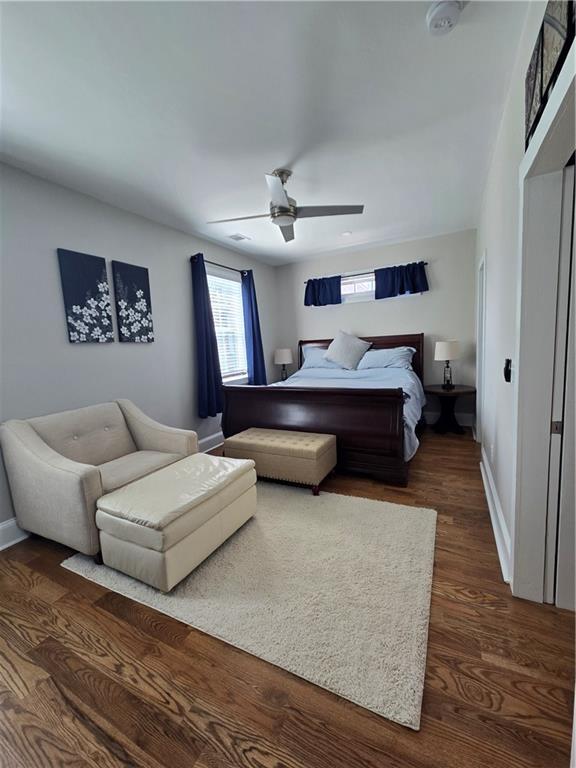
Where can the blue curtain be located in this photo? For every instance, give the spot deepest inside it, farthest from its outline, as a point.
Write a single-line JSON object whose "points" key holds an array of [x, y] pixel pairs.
{"points": [[397, 281], [323, 291], [209, 378], [254, 352]]}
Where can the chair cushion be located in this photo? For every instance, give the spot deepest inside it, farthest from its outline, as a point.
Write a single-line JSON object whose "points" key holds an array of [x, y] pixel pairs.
{"points": [[281, 442], [92, 435], [133, 466], [162, 539], [159, 499]]}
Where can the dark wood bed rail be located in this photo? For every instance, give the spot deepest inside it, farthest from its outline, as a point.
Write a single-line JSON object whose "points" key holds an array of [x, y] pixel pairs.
{"points": [[368, 423]]}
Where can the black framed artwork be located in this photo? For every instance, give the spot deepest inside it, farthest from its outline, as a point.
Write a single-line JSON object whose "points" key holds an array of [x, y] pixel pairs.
{"points": [[558, 22], [533, 89], [554, 40], [133, 303], [86, 297]]}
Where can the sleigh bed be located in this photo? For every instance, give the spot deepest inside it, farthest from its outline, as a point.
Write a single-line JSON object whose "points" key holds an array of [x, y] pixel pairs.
{"points": [[369, 421]]}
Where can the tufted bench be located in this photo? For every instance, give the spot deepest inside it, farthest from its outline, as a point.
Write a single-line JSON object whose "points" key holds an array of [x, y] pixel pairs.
{"points": [[159, 528], [279, 454]]}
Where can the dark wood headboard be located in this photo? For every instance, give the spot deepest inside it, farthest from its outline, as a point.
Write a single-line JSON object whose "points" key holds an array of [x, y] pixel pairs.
{"points": [[415, 340]]}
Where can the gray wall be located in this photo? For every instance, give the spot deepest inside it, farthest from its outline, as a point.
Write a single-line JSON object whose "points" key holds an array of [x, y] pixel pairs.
{"points": [[498, 244], [41, 372], [447, 311]]}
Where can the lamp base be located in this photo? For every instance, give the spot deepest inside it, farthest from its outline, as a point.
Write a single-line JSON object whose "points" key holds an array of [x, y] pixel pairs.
{"points": [[447, 384], [284, 374]]}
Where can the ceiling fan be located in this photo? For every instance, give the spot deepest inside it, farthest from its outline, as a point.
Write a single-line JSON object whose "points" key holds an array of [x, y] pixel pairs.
{"points": [[284, 211]]}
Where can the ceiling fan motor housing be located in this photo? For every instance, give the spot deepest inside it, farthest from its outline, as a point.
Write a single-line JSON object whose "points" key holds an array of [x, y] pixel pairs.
{"points": [[282, 216]]}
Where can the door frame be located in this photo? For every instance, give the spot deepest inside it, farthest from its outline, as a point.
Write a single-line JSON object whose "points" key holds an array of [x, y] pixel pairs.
{"points": [[540, 180], [565, 560], [480, 343], [560, 371]]}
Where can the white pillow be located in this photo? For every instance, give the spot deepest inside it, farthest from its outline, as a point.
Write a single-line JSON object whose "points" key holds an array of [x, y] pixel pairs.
{"points": [[347, 350], [314, 358]]}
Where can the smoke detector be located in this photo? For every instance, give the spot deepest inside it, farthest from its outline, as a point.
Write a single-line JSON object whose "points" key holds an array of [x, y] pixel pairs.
{"points": [[443, 16]]}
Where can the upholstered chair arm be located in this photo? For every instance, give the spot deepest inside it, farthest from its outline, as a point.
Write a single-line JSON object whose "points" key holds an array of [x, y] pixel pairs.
{"points": [[150, 435], [53, 496]]}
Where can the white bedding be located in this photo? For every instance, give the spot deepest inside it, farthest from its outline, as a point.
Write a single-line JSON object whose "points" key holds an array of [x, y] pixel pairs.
{"points": [[373, 378]]}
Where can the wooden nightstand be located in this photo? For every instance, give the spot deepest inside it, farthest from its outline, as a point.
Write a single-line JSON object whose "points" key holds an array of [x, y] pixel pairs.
{"points": [[447, 421]]}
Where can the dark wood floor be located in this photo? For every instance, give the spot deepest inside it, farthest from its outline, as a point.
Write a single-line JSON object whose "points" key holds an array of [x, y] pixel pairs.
{"points": [[89, 678]]}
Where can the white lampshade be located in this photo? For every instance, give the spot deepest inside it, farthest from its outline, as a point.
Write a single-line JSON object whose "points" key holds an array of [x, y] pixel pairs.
{"points": [[283, 357], [447, 350]]}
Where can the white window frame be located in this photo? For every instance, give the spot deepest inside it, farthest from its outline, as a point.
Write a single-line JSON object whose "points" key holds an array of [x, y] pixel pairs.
{"points": [[234, 277], [359, 294]]}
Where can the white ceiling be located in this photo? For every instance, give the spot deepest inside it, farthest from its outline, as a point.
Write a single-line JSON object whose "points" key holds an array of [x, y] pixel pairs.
{"points": [[177, 110]]}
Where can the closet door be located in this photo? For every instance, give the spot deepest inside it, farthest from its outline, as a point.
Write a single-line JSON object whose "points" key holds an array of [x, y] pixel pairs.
{"points": [[565, 560], [559, 569]]}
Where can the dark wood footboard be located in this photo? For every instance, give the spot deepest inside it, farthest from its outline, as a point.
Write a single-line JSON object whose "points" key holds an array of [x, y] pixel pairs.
{"points": [[368, 423]]}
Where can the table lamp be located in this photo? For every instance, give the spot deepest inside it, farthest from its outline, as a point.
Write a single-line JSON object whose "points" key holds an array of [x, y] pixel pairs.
{"points": [[447, 350], [283, 357]]}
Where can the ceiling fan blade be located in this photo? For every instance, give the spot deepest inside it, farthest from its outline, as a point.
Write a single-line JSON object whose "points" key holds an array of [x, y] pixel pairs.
{"points": [[308, 211], [278, 194], [288, 232], [241, 218]]}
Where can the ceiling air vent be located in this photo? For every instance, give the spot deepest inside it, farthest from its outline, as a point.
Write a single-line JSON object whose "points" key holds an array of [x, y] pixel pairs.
{"points": [[239, 237]]}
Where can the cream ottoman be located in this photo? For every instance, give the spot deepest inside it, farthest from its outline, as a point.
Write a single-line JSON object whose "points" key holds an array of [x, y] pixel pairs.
{"points": [[159, 528], [299, 457]]}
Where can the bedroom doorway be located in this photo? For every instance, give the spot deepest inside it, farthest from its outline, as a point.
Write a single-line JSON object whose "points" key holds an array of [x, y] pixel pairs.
{"points": [[480, 337], [543, 499]]}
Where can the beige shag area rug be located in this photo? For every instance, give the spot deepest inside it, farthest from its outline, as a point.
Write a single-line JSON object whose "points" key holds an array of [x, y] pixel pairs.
{"points": [[335, 589]]}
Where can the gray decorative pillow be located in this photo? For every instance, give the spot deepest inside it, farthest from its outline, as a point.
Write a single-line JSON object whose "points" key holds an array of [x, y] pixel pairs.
{"points": [[347, 350]]}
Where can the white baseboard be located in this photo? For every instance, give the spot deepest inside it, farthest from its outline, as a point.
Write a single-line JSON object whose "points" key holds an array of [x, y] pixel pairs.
{"points": [[10, 533], [210, 442], [501, 532]]}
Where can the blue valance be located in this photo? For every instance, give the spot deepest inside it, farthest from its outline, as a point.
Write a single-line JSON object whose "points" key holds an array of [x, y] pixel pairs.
{"points": [[323, 291], [254, 350], [397, 281], [209, 378]]}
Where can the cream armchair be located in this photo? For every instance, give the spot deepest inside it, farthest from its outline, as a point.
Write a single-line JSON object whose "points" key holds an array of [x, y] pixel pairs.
{"points": [[58, 466]]}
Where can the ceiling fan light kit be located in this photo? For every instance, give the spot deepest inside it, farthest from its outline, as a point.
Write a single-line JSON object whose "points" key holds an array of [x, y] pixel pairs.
{"points": [[281, 217], [284, 211]]}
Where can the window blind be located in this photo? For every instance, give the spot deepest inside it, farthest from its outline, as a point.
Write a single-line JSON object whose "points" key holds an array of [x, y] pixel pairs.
{"points": [[358, 287], [226, 301]]}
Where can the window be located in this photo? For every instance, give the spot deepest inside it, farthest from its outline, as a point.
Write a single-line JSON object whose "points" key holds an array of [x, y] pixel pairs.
{"points": [[358, 287], [226, 300]]}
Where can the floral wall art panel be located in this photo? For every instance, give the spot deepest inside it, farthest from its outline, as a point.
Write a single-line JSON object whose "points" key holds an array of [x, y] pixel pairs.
{"points": [[86, 297], [133, 304]]}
